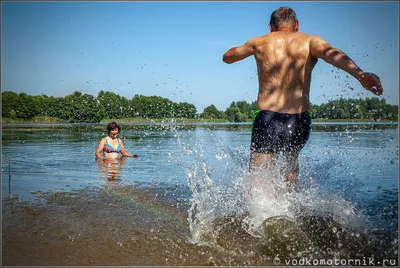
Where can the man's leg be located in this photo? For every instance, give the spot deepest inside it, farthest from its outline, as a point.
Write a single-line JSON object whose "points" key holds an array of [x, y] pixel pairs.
{"points": [[291, 168], [260, 161], [258, 184]]}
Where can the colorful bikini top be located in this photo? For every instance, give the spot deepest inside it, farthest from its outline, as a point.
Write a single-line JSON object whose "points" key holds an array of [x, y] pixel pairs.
{"points": [[108, 148]]}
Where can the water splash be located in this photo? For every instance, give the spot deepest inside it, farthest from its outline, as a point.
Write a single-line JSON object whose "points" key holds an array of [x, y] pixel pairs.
{"points": [[211, 199], [236, 210]]}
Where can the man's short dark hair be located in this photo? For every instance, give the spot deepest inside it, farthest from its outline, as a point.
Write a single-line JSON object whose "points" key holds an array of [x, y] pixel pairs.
{"points": [[283, 15], [113, 125]]}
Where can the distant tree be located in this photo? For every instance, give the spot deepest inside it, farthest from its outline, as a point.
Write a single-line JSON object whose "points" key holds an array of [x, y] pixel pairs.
{"points": [[9, 103], [211, 112], [56, 108], [82, 108], [394, 112], [247, 109], [158, 107], [240, 111], [41, 104], [137, 105], [126, 110], [184, 110], [26, 107], [234, 114], [313, 110], [112, 104]]}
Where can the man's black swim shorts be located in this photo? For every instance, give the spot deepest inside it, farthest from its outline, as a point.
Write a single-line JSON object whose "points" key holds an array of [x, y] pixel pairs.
{"points": [[273, 132]]}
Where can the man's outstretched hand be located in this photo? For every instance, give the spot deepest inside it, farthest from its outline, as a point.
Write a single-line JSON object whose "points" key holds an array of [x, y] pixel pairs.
{"points": [[372, 83]]}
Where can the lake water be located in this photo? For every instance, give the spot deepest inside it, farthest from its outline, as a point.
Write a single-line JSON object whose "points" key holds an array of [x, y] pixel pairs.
{"points": [[348, 179]]}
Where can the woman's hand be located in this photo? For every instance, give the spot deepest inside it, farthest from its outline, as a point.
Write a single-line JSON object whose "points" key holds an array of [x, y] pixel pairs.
{"points": [[99, 160]]}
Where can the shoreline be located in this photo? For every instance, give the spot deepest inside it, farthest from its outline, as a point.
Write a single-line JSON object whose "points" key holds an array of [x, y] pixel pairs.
{"points": [[112, 226], [324, 126], [117, 225], [51, 120]]}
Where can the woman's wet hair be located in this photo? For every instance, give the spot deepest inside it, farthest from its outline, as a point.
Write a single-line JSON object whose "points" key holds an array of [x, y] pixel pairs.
{"points": [[113, 125], [283, 16]]}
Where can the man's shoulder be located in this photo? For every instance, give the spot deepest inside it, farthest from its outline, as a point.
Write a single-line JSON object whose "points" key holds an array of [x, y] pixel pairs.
{"points": [[302, 35], [311, 36], [274, 36], [257, 38]]}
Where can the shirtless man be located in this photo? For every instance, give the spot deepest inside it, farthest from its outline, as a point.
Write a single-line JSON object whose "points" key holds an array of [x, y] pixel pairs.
{"points": [[285, 59]]}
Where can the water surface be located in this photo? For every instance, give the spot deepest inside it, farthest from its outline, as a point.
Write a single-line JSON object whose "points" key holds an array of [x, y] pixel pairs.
{"points": [[347, 193]]}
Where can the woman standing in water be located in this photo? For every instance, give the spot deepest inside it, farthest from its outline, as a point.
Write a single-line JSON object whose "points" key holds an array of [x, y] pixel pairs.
{"points": [[111, 146]]}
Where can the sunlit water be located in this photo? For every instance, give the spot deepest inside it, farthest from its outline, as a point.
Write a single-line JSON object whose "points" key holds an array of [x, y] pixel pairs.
{"points": [[345, 203]]}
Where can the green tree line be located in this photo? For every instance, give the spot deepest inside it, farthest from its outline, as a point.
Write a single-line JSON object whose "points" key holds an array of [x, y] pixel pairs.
{"points": [[79, 107], [369, 109]]}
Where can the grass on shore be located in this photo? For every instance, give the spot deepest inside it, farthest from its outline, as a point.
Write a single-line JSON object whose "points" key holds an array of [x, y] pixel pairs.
{"points": [[349, 120], [48, 119], [160, 120], [36, 119]]}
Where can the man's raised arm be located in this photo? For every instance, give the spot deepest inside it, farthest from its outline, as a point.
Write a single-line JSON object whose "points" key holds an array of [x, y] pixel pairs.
{"points": [[319, 48], [238, 53]]}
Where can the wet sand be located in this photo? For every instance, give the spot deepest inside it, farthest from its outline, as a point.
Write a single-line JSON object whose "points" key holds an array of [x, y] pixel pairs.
{"points": [[111, 226]]}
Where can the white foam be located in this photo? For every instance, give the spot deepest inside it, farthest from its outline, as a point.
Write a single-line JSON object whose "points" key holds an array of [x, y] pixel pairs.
{"points": [[222, 186]]}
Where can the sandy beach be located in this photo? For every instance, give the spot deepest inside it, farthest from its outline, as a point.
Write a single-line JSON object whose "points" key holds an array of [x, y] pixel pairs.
{"points": [[113, 226]]}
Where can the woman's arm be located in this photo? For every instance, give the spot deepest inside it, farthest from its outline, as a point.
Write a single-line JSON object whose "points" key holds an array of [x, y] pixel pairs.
{"points": [[100, 148], [124, 152]]}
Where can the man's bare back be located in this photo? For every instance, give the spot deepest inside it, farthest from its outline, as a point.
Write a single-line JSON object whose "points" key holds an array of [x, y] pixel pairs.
{"points": [[284, 66]]}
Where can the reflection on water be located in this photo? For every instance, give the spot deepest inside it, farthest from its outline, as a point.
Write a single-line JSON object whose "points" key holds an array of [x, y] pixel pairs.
{"points": [[111, 168]]}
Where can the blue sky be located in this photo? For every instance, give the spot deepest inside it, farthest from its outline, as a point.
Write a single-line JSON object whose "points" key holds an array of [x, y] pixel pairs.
{"points": [[174, 49]]}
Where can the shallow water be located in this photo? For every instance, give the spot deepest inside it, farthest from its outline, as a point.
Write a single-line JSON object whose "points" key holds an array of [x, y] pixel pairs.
{"points": [[345, 204]]}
